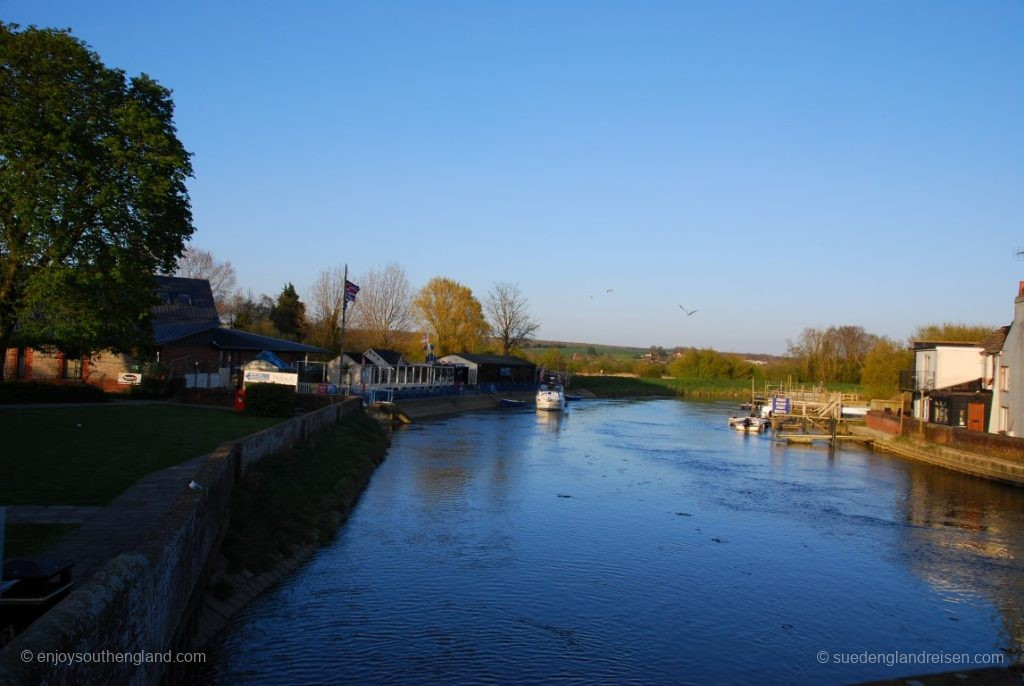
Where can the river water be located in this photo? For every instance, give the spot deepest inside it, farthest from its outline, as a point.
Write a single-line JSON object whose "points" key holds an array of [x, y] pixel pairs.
{"points": [[641, 542]]}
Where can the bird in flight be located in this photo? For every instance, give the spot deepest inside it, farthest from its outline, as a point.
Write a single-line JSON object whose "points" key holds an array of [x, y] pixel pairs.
{"points": [[609, 290], [688, 312]]}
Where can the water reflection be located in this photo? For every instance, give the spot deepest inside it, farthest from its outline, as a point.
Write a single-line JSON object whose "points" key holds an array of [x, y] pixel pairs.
{"points": [[643, 542], [966, 538]]}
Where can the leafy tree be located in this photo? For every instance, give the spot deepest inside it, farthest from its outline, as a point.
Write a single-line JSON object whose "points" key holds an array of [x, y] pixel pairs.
{"points": [[449, 311], [384, 310], [92, 195], [880, 376], [835, 354], [196, 263], [289, 313], [949, 332], [508, 317]]}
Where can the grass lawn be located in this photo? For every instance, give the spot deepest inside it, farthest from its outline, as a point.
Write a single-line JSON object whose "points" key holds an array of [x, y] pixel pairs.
{"points": [[88, 455], [22, 540]]}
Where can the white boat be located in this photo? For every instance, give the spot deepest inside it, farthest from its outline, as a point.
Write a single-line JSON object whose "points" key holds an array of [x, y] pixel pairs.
{"points": [[752, 425], [550, 397]]}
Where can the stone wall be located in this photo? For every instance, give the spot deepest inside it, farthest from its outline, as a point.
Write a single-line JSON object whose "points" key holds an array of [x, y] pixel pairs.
{"points": [[142, 601]]}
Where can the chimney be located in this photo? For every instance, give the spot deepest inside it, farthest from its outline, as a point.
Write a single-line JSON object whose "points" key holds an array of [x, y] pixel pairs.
{"points": [[1020, 290]]}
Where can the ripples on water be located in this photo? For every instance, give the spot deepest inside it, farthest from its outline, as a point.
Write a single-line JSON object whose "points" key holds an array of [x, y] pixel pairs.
{"points": [[637, 542]]}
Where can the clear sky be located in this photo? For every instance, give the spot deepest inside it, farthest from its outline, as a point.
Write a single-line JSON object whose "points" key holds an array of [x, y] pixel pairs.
{"points": [[775, 165]]}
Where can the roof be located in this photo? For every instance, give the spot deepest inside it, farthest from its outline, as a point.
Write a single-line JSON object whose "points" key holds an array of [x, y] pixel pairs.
{"points": [[233, 339], [503, 360], [924, 345], [186, 308], [392, 357], [993, 343]]}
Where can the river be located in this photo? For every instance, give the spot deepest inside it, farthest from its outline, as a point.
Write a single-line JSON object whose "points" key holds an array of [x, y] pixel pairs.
{"points": [[641, 542]]}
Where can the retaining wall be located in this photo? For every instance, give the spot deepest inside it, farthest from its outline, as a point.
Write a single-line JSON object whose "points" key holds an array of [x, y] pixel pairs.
{"points": [[143, 601]]}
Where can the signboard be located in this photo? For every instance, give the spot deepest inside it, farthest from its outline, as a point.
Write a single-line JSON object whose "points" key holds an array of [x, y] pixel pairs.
{"points": [[129, 378], [780, 405], [284, 378]]}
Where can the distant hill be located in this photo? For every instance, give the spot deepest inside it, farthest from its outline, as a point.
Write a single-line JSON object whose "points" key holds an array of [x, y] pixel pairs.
{"points": [[570, 348]]}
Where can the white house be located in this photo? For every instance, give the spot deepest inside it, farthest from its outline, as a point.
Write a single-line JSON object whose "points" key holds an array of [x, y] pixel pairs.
{"points": [[1008, 378], [941, 365]]}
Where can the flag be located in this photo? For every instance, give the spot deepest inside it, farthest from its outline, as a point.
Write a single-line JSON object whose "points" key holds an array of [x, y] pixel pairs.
{"points": [[350, 291]]}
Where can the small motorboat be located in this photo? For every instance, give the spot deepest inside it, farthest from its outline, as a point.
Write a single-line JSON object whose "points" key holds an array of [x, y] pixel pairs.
{"points": [[511, 402], [750, 424], [550, 397]]}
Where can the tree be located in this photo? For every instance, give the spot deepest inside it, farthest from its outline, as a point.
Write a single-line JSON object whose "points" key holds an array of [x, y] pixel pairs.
{"points": [[449, 311], [880, 375], [289, 313], [92, 195], [384, 305], [249, 313], [507, 315], [326, 298], [949, 332], [196, 263]]}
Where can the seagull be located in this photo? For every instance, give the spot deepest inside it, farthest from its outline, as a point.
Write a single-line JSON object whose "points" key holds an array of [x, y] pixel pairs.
{"points": [[688, 312], [609, 290], [194, 486]]}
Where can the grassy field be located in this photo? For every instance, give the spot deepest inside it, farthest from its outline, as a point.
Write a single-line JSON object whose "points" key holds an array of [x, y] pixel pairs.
{"points": [[88, 455], [624, 386], [288, 498], [569, 349]]}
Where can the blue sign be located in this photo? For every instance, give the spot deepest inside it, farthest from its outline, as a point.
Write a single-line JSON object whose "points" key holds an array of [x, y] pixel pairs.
{"points": [[780, 405], [332, 389]]}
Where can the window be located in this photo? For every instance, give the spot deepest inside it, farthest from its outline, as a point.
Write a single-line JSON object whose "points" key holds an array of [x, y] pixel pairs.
{"points": [[1004, 378], [20, 371], [72, 368]]}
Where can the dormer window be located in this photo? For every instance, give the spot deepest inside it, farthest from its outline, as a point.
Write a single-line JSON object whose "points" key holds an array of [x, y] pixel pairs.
{"points": [[183, 299]]}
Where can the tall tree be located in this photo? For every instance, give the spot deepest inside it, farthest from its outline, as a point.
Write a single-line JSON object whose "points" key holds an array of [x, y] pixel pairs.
{"points": [[384, 309], [507, 314], [92, 195], [196, 263], [325, 300], [449, 311], [289, 313]]}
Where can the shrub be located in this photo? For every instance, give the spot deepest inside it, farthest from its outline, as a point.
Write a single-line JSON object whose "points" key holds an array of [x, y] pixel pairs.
{"points": [[269, 400], [36, 392]]}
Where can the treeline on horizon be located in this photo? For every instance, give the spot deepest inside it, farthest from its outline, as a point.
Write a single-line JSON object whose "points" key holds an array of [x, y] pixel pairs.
{"points": [[388, 310]]}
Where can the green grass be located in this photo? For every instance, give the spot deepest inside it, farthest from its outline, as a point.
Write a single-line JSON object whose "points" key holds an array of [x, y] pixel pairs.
{"points": [[578, 349], [624, 386], [23, 540], [89, 455], [288, 499]]}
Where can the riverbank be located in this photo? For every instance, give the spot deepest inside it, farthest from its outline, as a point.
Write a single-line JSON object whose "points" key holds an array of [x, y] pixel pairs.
{"points": [[160, 541], [287, 506]]}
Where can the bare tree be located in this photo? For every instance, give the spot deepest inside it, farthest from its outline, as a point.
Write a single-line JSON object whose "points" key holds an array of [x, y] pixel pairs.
{"points": [[507, 315], [196, 263], [384, 305], [324, 305]]}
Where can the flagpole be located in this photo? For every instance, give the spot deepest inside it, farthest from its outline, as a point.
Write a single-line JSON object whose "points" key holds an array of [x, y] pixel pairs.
{"points": [[344, 311]]}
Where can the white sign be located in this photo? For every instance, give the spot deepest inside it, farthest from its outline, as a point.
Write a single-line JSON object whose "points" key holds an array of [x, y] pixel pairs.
{"points": [[129, 378], [284, 378]]}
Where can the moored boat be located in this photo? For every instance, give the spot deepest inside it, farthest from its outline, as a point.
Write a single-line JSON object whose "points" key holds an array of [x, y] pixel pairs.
{"points": [[750, 424], [550, 397]]}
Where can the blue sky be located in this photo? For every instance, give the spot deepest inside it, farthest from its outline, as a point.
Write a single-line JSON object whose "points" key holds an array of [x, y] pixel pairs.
{"points": [[775, 165]]}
